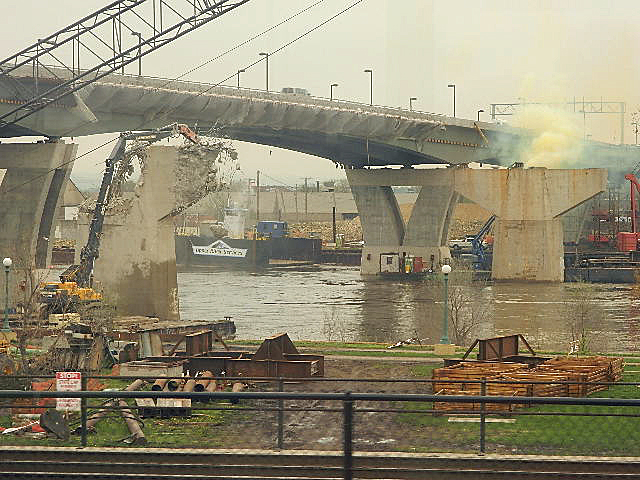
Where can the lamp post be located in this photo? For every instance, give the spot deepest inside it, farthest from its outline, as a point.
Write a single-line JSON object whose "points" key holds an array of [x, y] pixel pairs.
{"points": [[446, 270], [479, 112], [139, 35], [7, 266], [411, 100], [266, 56], [452, 85], [239, 72], [331, 94], [370, 72]]}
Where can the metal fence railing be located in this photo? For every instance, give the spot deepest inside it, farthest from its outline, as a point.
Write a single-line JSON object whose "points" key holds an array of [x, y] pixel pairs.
{"points": [[274, 416]]}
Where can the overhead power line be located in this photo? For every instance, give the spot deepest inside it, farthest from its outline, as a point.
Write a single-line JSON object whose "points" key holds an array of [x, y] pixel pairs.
{"points": [[202, 92]]}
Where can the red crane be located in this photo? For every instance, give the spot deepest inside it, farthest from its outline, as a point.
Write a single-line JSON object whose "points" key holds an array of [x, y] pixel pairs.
{"points": [[629, 241], [635, 188]]}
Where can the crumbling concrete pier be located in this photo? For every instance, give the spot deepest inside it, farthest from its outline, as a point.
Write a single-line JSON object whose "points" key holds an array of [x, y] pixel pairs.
{"points": [[136, 269], [528, 203]]}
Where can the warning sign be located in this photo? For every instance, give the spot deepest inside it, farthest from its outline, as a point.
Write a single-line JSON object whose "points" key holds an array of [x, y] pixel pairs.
{"points": [[68, 382]]}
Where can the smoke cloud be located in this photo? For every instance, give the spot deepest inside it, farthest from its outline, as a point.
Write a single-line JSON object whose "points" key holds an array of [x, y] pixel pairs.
{"points": [[556, 137]]}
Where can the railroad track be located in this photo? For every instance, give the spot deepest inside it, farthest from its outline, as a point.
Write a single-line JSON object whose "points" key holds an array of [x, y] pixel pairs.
{"points": [[19, 463]]}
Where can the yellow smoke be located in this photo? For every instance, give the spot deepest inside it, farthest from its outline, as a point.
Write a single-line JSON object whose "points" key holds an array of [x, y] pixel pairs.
{"points": [[557, 137]]}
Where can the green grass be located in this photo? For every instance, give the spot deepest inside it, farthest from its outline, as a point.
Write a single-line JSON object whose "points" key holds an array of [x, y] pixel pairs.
{"points": [[539, 434], [196, 431], [380, 353]]}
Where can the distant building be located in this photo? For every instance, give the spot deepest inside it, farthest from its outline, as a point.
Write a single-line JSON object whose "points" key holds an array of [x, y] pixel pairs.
{"points": [[67, 214]]}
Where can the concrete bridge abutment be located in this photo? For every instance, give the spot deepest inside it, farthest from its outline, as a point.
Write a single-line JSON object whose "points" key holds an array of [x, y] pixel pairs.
{"points": [[528, 203], [34, 180]]}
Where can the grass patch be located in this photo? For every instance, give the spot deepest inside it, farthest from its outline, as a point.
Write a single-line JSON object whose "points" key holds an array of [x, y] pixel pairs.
{"points": [[380, 353], [195, 432], [571, 434]]}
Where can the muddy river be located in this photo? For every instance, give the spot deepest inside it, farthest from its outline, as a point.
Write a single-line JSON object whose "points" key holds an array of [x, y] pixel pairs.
{"points": [[335, 303]]}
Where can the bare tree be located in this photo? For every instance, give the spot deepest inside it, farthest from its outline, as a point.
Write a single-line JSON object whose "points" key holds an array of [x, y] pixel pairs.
{"points": [[582, 314], [335, 327], [26, 283], [468, 308]]}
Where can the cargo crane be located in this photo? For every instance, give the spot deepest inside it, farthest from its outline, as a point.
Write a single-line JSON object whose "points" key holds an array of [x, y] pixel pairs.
{"points": [[75, 287], [628, 241], [481, 261]]}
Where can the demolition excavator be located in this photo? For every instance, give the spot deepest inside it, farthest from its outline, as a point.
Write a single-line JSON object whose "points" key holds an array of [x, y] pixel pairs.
{"points": [[75, 290]]}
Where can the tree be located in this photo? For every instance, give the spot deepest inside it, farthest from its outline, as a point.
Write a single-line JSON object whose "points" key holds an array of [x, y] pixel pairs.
{"points": [[468, 308], [26, 280], [581, 313]]}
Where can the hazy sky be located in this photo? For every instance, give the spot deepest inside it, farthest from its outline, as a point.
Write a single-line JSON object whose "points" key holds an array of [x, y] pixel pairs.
{"points": [[493, 50]]}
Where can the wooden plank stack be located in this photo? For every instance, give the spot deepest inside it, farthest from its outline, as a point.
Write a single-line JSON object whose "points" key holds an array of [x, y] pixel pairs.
{"points": [[586, 371], [472, 371]]}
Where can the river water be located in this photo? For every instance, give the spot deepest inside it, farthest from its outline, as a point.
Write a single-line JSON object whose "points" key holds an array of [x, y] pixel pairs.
{"points": [[335, 303]]}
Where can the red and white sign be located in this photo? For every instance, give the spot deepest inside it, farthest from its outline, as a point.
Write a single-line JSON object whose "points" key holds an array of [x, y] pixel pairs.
{"points": [[68, 382]]}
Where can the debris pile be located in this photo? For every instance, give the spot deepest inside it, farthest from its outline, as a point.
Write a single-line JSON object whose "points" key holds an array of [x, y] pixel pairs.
{"points": [[587, 372], [181, 407], [202, 169], [351, 229]]}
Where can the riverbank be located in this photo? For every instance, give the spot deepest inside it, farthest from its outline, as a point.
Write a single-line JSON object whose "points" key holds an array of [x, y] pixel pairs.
{"points": [[380, 426]]}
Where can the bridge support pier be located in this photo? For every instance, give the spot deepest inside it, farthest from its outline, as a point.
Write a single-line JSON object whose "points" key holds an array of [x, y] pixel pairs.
{"points": [[136, 269], [384, 229], [529, 203], [34, 178]]}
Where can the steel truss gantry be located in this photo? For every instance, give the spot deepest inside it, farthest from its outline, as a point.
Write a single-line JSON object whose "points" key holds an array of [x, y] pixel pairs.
{"points": [[99, 44], [585, 107]]}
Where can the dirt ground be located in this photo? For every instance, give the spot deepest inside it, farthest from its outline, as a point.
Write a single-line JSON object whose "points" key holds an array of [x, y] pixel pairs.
{"points": [[373, 431]]}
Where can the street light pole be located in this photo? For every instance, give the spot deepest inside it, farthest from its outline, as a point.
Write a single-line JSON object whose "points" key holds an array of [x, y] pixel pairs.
{"points": [[266, 55], [331, 94], [7, 266], [446, 270], [479, 112], [451, 85], [370, 72], [411, 100], [139, 35], [239, 72]]}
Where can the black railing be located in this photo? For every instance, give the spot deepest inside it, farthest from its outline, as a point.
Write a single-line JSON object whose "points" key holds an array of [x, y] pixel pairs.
{"points": [[348, 407]]}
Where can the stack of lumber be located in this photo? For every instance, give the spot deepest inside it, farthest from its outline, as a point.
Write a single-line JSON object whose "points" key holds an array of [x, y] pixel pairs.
{"points": [[614, 365], [548, 379], [473, 372], [586, 370], [547, 389], [474, 406]]}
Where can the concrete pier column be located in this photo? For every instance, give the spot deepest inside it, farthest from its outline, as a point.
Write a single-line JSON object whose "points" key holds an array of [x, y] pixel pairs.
{"points": [[380, 216], [528, 235], [431, 215], [35, 177], [383, 228], [136, 270]]}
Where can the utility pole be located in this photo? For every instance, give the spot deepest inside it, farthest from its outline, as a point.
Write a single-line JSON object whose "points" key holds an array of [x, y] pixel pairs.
{"points": [[306, 200], [257, 197], [295, 195], [334, 213]]}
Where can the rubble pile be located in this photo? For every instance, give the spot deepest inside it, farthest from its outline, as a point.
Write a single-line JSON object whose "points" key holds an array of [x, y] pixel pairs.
{"points": [[202, 169], [351, 229]]}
